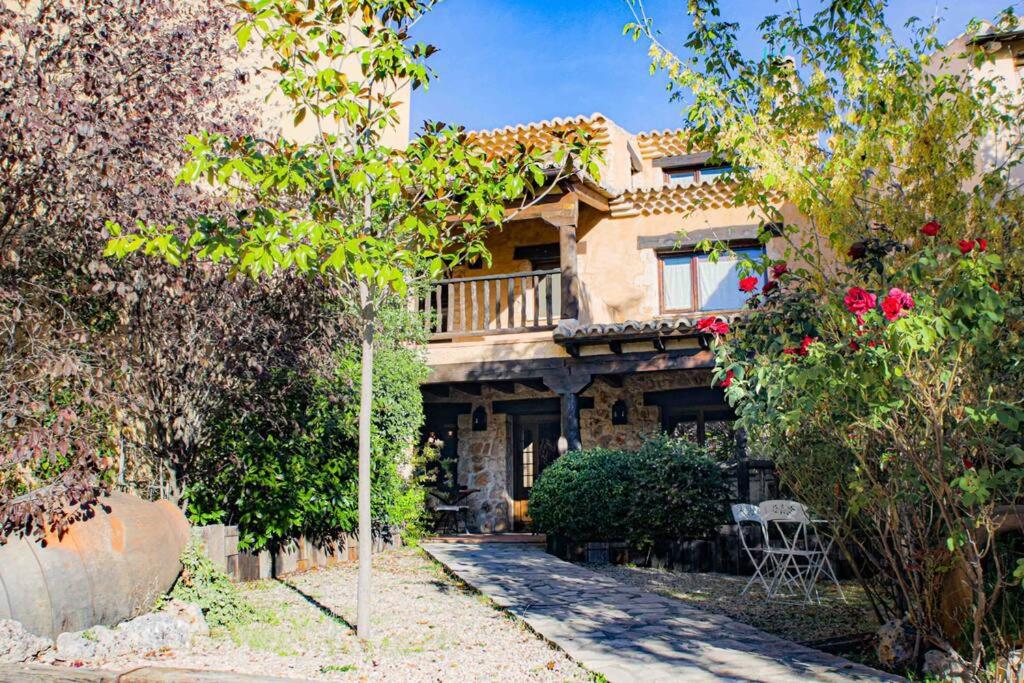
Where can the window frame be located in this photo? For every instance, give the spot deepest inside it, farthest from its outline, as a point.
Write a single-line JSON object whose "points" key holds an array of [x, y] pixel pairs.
{"points": [[696, 170], [694, 257]]}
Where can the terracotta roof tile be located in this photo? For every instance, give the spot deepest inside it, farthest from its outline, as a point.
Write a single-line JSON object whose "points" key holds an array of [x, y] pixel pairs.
{"points": [[571, 330]]}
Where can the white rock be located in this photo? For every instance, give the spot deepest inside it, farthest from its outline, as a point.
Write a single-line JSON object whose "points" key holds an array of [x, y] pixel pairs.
{"points": [[18, 645], [893, 646], [172, 627], [944, 666]]}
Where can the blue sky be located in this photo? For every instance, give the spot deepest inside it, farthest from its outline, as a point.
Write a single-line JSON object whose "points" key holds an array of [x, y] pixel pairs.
{"points": [[511, 61]]}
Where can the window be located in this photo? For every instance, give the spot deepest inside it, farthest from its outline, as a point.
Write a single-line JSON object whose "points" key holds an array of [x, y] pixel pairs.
{"points": [[693, 282], [684, 177], [710, 428], [527, 460]]}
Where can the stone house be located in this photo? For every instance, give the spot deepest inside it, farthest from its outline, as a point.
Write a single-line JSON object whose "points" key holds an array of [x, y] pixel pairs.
{"points": [[583, 330]]}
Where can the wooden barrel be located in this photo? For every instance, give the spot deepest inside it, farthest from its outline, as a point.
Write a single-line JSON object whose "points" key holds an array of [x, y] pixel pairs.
{"points": [[103, 571]]}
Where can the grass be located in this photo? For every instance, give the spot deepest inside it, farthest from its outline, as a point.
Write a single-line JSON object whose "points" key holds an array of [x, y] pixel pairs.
{"points": [[792, 619], [284, 624]]}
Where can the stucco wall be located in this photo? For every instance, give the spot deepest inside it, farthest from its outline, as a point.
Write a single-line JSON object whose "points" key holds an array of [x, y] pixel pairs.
{"points": [[484, 460]]}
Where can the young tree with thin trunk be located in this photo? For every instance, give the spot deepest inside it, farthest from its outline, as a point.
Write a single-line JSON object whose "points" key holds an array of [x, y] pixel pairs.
{"points": [[375, 220]]}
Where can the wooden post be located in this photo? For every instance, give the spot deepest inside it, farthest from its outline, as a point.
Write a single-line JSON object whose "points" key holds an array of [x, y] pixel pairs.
{"points": [[565, 216], [567, 262], [570, 423], [569, 386]]}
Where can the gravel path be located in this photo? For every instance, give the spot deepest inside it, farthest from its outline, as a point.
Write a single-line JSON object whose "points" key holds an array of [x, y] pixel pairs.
{"points": [[426, 628]]}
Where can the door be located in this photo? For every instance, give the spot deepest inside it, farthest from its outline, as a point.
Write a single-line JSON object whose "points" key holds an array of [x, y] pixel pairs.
{"points": [[534, 447]]}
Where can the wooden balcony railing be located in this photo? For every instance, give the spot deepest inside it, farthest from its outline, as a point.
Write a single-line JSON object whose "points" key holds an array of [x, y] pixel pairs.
{"points": [[493, 304]]}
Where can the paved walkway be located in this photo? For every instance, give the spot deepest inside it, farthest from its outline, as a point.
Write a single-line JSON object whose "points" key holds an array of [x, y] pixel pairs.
{"points": [[631, 635]]}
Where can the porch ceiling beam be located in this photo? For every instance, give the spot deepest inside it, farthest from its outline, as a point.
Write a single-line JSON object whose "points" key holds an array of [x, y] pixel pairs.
{"points": [[503, 387], [471, 388], [535, 384], [589, 197], [533, 369], [615, 381], [436, 390]]}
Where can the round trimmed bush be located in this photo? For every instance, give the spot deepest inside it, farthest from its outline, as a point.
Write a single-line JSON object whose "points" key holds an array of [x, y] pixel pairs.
{"points": [[669, 489]]}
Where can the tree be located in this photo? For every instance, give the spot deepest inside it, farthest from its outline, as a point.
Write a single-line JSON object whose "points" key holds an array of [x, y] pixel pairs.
{"points": [[111, 371], [881, 364], [372, 219]]}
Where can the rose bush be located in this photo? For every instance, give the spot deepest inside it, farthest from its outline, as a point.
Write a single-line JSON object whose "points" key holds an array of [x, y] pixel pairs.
{"points": [[882, 370]]}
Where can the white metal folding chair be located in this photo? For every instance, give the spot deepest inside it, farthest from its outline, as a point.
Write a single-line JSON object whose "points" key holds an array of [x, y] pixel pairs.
{"points": [[797, 562], [825, 568], [745, 513]]}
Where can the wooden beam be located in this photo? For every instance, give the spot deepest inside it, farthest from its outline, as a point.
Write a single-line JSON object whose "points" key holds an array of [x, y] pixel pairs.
{"points": [[615, 347], [615, 381], [471, 388], [536, 406], [590, 197], [534, 384], [659, 343], [503, 387], [530, 370], [554, 209], [568, 381], [437, 390]]}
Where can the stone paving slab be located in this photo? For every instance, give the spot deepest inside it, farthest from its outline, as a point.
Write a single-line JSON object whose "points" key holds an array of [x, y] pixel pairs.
{"points": [[628, 634]]}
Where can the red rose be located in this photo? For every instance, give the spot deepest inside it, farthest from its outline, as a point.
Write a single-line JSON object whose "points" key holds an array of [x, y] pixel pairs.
{"points": [[801, 350], [896, 303], [779, 269], [982, 244], [729, 374], [906, 301], [713, 325], [968, 463], [931, 228], [859, 301], [966, 246], [748, 284], [854, 346], [770, 285], [891, 308], [994, 285], [857, 251]]}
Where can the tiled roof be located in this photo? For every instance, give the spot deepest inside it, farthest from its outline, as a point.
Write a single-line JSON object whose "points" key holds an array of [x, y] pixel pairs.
{"points": [[503, 140], [662, 143], [710, 194], [571, 330]]}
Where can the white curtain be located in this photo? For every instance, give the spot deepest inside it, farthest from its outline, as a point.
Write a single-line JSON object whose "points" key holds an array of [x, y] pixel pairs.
{"points": [[719, 285], [677, 282]]}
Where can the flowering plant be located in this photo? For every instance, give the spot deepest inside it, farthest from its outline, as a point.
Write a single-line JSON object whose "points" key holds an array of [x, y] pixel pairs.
{"points": [[882, 367]]}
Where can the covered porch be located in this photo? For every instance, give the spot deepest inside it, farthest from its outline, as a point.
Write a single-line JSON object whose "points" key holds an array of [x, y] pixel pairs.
{"points": [[499, 424]]}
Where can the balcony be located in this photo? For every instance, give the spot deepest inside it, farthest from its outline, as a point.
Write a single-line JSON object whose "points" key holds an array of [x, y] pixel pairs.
{"points": [[508, 303]]}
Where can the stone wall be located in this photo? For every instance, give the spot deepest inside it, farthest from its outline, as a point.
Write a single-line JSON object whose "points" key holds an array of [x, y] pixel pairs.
{"points": [[485, 460]]}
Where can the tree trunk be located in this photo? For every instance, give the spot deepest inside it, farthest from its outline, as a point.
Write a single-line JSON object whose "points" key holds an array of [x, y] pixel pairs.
{"points": [[365, 529]]}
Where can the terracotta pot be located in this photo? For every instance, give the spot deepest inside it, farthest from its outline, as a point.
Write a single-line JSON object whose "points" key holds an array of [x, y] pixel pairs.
{"points": [[956, 599]]}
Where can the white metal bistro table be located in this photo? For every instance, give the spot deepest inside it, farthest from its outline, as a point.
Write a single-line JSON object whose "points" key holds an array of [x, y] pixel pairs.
{"points": [[800, 554]]}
